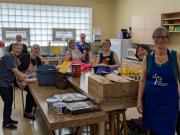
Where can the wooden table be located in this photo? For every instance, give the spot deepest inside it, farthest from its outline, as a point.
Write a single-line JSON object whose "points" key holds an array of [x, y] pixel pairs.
{"points": [[107, 104], [113, 106], [54, 121]]}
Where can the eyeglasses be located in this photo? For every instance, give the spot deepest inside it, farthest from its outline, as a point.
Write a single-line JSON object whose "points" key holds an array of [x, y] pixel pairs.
{"points": [[160, 37]]}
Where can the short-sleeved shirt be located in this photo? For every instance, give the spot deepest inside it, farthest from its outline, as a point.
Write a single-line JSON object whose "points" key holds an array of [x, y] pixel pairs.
{"points": [[7, 63]]}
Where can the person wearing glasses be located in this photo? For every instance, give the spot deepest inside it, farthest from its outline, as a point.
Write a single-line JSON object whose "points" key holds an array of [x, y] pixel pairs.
{"points": [[158, 99], [28, 63], [85, 48]]}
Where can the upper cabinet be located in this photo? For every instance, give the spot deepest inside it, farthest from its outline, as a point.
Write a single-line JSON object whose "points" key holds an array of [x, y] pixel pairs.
{"points": [[171, 21], [143, 27]]}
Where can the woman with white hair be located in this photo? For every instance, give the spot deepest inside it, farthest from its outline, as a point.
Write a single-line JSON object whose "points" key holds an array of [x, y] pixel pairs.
{"points": [[73, 53], [28, 63]]}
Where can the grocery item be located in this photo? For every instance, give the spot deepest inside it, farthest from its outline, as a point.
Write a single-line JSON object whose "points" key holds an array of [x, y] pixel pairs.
{"points": [[52, 100], [71, 97], [82, 107], [64, 67], [59, 107]]}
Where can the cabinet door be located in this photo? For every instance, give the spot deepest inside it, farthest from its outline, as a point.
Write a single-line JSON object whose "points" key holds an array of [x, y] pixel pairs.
{"points": [[143, 27], [137, 36], [137, 23], [148, 37], [151, 22]]}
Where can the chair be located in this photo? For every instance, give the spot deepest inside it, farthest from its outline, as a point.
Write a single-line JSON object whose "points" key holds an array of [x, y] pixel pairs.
{"points": [[14, 97]]}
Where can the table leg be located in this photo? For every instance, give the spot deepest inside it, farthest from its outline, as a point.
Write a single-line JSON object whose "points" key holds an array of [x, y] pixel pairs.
{"points": [[93, 129], [112, 125], [101, 128], [125, 123]]}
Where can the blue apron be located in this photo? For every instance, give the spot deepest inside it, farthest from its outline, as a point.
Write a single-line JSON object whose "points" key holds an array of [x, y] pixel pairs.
{"points": [[160, 100]]}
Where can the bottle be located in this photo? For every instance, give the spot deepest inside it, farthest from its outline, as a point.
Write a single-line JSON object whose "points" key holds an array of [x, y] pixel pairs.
{"points": [[49, 43]]}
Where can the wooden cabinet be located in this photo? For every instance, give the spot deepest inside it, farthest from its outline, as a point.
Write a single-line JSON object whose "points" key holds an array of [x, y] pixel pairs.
{"points": [[143, 27], [171, 21]]}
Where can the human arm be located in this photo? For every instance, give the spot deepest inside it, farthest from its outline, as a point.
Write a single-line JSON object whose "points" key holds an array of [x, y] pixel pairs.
{"points": [[68, 55], [117, 63], [97, 63], [19, 75], [142, 83]]}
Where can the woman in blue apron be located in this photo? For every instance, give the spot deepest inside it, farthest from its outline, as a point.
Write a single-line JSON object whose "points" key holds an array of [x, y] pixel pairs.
{"points": [[158, 89]]}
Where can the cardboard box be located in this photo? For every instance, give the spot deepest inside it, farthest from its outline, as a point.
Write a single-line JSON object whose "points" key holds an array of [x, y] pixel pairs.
{"points": [[130, 89], [104, 88]]}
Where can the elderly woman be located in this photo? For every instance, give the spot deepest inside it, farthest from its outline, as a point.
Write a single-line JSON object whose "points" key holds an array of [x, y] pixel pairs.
{"points": [[107, 57], [28, 63], [73, 53], [158, 87]]}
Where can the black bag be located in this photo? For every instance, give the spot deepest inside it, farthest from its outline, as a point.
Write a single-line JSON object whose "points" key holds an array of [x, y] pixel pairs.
{"points": [[61, 80]]}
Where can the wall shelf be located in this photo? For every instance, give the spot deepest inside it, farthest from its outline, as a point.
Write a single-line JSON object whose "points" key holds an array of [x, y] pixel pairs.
{"points": [[171, 21]]}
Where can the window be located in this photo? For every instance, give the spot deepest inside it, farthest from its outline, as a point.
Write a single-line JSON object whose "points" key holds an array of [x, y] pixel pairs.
{"points": [[42, 19]]}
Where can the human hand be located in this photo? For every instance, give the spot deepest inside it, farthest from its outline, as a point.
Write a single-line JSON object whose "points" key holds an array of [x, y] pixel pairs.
{"points": [[139, 106]]}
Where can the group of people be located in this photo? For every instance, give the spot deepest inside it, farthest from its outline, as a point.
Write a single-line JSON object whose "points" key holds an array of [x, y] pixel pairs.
{"points": [[15, 66], [158, 94], [82, 51]]}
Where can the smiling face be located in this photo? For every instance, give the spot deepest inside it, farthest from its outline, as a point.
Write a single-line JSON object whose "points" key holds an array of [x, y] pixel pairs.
{"points": [[161, 38], [106, 45], [141, 52], [17, 49], [71, 44], [35, 50]]}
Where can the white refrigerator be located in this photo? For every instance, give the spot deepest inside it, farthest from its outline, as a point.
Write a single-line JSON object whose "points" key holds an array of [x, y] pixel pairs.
{"points": [[120, 46]]}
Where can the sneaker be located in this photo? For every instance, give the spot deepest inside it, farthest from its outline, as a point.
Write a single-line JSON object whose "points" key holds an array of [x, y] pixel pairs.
{"points": [[9, 125], [29, 116], [13, 121]]}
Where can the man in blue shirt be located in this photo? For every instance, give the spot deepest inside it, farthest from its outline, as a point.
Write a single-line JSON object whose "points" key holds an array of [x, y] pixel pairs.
{"points": [[8, 69], [84, 47]]}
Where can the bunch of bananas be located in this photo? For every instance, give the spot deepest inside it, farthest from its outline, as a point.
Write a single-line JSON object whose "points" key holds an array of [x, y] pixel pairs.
{"points": [[129, 72]]}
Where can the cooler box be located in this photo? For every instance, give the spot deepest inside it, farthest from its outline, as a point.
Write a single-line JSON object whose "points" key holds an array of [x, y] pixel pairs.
{"points": [[46, 75]]}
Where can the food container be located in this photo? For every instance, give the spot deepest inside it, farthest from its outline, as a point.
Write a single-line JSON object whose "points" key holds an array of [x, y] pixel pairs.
{"points": [[76, 70], [51, 100], [59, 107]]}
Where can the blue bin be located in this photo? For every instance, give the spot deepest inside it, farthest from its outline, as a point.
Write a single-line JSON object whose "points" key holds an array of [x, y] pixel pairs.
{"points": [[46, 75]]}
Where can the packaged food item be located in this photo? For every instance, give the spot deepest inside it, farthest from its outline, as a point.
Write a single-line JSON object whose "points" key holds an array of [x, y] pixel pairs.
{"points": [[59, 107], [52, 100], [82, 107], [71, 97]]}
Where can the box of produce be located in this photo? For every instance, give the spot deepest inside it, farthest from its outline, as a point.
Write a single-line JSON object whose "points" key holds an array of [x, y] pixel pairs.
{"points": [[112, 85], [103, 87]]}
